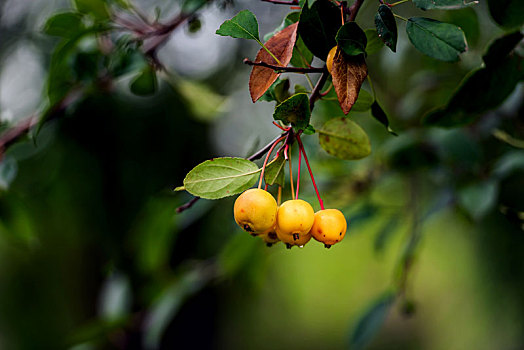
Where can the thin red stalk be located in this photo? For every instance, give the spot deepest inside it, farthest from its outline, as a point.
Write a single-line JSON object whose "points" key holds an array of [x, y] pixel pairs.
{"points": [[298, 173], [267, 157], [288, 157], [303, 150]]}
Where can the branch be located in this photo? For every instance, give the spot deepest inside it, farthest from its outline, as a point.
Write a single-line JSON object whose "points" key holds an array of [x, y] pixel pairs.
{"points": [[353, 9], [285, 69], [315, 95]]}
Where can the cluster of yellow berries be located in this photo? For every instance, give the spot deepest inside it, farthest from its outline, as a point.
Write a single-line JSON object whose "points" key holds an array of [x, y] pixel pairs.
{"points": [[294, 222]]}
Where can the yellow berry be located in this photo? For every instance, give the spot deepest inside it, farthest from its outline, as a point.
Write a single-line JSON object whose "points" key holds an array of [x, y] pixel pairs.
{"points": [[294, 221], [269, 236], [329, 227], [330, 57], [255, 211]]}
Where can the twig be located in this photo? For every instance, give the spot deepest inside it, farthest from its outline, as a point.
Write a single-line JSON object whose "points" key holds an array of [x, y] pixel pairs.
{"points": [[315, 95], [353, 9], [283, 2], [285, 69]]}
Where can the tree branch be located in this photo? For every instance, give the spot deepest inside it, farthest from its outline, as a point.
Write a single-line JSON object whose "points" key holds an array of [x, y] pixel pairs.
{"points": [[315, 95], [283, 2], [285, 69], [353, 9]]}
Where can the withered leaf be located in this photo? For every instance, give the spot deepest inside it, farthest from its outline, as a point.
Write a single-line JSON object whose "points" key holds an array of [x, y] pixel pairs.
{"points": [[348, 72], [281, 45]]}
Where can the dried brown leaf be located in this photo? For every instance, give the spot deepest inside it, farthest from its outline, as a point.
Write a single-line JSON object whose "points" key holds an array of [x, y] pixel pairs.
{"points": [[281, 45], [348, 72]]}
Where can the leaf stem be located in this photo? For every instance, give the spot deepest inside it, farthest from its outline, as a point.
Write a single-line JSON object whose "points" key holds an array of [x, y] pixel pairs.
{"points": [[397, 3], [267, 158], [303, 150], [284, 69], [269, 52], [402, 18]]}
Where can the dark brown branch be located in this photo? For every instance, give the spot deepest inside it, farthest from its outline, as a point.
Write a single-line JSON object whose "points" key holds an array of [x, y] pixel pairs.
{"points": [[315, 95], [285, 69], [283, 2], [353, 9]]}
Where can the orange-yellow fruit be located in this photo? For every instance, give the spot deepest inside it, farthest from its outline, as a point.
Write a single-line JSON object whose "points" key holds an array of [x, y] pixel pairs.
{"points": [[269, 236], [255, 211], [330, 57], [329, 227], [294, 221]]}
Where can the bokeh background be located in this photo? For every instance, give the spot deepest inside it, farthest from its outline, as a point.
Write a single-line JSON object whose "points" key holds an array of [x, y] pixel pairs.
{"points": [[93, 255]]}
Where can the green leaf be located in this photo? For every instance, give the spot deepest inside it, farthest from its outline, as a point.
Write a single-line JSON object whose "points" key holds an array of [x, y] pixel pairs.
{"points": [[291, 18], [204, 103], [318, 27], [8, 171], [351, 39], [274, 173], [65, 25], [145, 84], [501, 47], [299, 88], [244, 26], [371, 322], [374, 43], [474, 96], [378, 113], [278, 91], [310, 130], [302, 57], [443, 4], [507, 13], [508, 164], [191, 6], [363, 102], [96, 8], [295, 111], [442, 41], [221, 177], [479, 198], [344, 139], [386, 27]]}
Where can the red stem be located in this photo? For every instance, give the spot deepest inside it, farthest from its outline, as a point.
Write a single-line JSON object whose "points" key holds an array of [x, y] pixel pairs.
{"points": [[298, 173], [303, 150], [267, 157]]}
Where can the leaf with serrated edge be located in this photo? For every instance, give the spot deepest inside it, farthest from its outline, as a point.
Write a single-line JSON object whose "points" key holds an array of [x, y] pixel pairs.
{"points": [[344, 139], [274, 173], [281, 45], [442, 41], [221, 177], [244, 26], [386, 27], [348, 72]]}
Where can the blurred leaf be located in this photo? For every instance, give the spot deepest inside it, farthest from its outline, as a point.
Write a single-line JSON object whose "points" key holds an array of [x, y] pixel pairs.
{"points": [[371, 322], [478, 198], [115, 298], [278, 91], [386, 232], [363, 102], [386, 27], [96, 330], [165, 308], [348, 74], [378, 113], [244, 26], [351, 39], [204, 103], [442, 41], [443, 4], [344, 139], [507, 13], [374, 43], [361, 215], [238, 254], [190, 6], [509, 163], [97, 8], [474, 95], [290, 18], [66, 24], [8, 171], [501, 47], [281, 45], [302, 57], [221, 177], [274, 173], [145, 83], [468, 20], [318, 27], [295, 111]]}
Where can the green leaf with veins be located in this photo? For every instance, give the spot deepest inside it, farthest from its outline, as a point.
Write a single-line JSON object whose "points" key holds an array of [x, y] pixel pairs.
{"points": [[351, 39], [386, 27], [274, 173], [295, 111], [244, 26], [344, 139], [442, 41], [221, 177]]}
